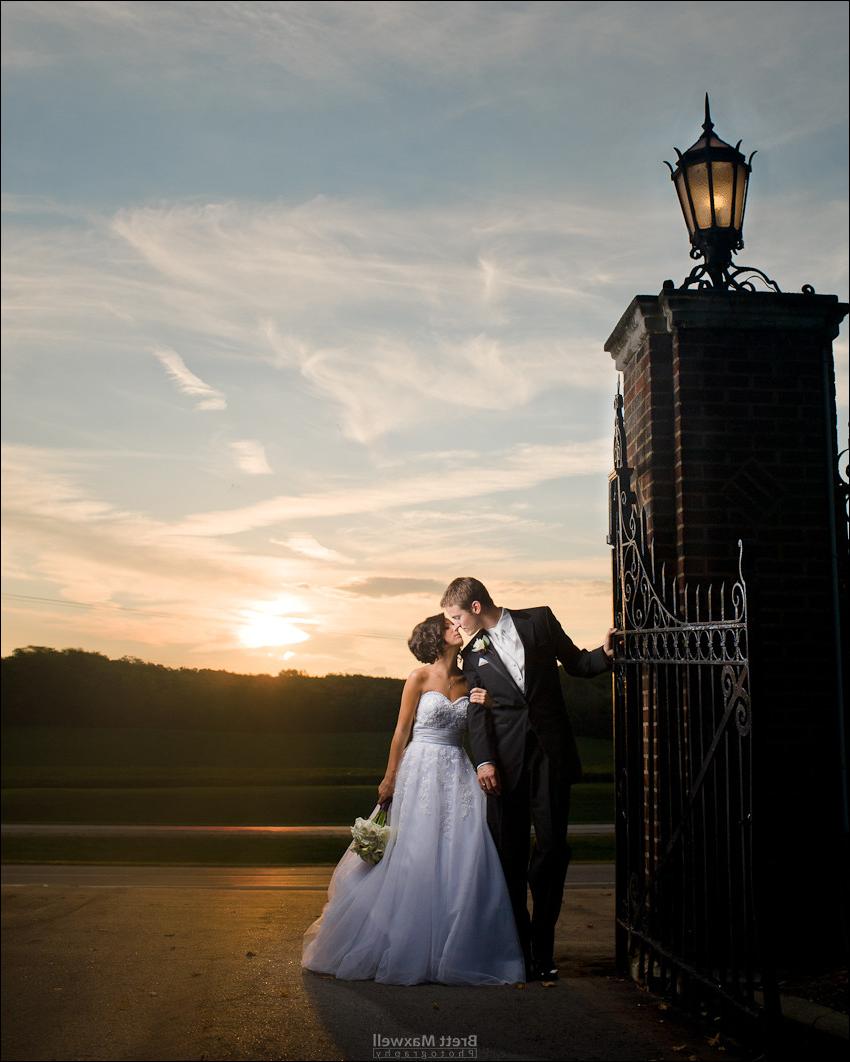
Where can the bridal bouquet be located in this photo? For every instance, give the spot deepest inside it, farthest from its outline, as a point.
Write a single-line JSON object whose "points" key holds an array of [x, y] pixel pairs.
{"points": [[371, 835]]}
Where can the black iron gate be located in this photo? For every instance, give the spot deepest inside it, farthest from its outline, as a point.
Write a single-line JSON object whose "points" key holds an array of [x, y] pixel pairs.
{"points": [[687, 911]]}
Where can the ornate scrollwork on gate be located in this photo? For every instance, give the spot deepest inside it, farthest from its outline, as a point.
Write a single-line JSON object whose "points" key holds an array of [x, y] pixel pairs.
{"points": [[683, 762], [736, 697], [660, 623]]}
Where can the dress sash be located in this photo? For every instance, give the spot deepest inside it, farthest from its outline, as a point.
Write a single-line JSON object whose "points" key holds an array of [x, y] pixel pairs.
{"points": [[434, 735]]}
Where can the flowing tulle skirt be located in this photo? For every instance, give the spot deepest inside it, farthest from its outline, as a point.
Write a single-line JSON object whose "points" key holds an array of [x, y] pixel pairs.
{"points": [[436, 907]]}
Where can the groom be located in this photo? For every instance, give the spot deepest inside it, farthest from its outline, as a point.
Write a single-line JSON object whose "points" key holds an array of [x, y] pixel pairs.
{"points": [[523, 746]]}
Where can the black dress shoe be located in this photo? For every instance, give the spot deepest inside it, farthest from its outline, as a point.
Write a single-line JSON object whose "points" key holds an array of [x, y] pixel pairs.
{"points": [[545, 972]]}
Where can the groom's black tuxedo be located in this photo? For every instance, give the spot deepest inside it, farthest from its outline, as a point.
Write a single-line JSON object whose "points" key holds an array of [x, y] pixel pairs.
{"points": [[498, 734], [528, 736]]}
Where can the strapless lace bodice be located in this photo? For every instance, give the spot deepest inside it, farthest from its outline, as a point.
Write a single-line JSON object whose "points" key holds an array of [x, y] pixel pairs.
{"points": [[436, 712]]}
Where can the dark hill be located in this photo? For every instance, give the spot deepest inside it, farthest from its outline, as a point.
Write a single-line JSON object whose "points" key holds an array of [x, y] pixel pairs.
{"points": [[73, 687]]}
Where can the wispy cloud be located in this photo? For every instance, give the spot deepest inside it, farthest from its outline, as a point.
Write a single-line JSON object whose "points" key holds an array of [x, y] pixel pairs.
{"points": [[308, 546], [388, 586], [841, 353], [188, 382], [519, 469], [385, 314], [382, 382], [47, 502], [389, 315], [250, 457], [492, 55]]}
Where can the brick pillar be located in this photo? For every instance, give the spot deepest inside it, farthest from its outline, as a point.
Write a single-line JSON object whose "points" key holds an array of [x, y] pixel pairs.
{"points": [[730, 417], [646, 344]]}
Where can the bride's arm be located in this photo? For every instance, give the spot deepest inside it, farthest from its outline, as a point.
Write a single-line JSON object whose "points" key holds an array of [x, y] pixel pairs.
{"points": [[406, 713]]}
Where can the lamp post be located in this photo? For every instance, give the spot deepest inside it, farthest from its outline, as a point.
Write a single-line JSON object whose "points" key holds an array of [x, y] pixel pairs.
{"points": [[711, 180]]}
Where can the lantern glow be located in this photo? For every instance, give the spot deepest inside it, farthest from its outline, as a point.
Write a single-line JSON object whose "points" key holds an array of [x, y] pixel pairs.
{"points": [[711, 180]]}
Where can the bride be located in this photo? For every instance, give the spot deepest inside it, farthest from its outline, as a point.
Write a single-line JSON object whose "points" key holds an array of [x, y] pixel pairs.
{"points": [[436, 907]]}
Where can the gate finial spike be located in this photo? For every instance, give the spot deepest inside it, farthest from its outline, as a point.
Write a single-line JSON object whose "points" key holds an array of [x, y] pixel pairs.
{"points": [[722, 601]]}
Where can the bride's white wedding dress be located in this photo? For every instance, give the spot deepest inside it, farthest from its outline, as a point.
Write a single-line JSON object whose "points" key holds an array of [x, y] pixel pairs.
{"points": [[436, 907]]}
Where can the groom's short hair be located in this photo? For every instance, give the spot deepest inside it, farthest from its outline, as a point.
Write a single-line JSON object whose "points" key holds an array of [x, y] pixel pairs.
{"points": [[463, 591]]}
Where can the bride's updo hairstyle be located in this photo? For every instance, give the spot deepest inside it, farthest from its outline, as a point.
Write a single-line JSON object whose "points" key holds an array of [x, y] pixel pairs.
{"points": [[426, 642]]}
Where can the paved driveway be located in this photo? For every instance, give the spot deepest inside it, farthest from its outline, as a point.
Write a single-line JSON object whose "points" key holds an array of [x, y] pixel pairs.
{"points": [[204, 963]]}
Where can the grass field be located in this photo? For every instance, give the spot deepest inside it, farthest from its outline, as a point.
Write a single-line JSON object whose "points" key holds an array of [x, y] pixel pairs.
{"points": [[178, 777], [65, 774], [218, 851], [74, 756]]}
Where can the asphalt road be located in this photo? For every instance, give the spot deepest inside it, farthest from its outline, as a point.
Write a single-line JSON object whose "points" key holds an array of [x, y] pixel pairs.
{"points": [[315, 878], [204, 963]]}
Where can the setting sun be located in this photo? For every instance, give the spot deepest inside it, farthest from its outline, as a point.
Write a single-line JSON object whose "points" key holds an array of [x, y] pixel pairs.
{"points": [[259, 631]]}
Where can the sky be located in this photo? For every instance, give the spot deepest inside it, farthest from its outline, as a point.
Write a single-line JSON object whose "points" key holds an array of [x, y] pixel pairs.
{"points": [[305, 304]]}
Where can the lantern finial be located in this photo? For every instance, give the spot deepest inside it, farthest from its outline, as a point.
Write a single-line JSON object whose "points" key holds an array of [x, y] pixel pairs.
{"points": [[707, 125]]}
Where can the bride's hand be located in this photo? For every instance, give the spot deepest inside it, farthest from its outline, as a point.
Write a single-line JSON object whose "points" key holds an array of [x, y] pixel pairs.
{"points": [[385, 790], [481, 696]]}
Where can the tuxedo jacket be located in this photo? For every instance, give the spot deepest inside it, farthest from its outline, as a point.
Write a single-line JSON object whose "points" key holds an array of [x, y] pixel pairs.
{"points": [[498, 733]]}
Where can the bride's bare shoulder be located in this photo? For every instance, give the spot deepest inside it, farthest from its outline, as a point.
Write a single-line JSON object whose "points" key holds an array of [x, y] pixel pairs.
{"points": [[414, 685], [419, 675]]}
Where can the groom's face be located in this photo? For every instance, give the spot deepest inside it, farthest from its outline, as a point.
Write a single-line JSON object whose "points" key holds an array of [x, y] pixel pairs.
{"points": [[462, 619]]}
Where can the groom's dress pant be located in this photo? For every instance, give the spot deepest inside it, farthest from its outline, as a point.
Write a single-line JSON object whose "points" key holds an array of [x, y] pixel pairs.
{"points": [[541, 797]]}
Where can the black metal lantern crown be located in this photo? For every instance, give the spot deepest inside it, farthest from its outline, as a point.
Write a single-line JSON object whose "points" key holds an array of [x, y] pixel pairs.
{"points": [[711, 180]]}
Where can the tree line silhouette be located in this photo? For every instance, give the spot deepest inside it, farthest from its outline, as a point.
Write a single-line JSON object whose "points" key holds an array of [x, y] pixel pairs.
{"points": [[74, 687]]}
